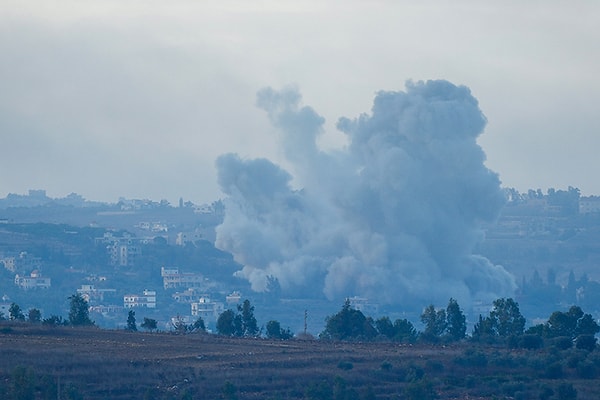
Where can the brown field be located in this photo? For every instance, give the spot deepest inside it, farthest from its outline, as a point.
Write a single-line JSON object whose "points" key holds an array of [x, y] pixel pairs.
{"points": [[108, 364]]}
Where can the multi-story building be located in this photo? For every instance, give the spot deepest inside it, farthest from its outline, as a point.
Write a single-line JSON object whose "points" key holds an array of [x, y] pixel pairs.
{"points": [[91, 293], [173, 278], [234, 298], [189, 295], [23, 261], [147, 299], [188, 237], [35, 280], [207, 309], [124, 251]]}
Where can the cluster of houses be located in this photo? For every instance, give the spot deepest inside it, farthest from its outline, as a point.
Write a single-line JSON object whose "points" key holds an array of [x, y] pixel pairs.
{"points": [[25, 262], [194, 293], [186, 287]]}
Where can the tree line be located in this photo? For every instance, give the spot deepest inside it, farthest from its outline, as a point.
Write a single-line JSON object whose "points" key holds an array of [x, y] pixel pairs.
{"points": [[504, 323], [78, 314]]}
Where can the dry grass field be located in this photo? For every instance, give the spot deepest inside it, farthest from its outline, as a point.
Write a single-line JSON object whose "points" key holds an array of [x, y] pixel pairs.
{"points": [[107, 364]]}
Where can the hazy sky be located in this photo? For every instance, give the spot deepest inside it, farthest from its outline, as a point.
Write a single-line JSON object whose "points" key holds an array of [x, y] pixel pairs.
{"points": [[138, 98]]}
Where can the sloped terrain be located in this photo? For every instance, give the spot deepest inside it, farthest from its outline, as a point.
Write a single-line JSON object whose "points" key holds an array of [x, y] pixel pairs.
{"points": [[100, 364]]}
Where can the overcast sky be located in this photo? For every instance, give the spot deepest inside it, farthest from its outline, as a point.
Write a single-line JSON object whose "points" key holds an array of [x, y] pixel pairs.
{"points": [[138, 98]]}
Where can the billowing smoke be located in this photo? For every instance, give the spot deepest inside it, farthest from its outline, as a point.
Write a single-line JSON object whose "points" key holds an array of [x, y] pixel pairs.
{"points": [[394, 216]]}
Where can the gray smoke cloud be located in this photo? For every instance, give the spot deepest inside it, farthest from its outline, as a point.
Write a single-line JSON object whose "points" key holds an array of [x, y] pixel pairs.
{"points": [[394, 216]]}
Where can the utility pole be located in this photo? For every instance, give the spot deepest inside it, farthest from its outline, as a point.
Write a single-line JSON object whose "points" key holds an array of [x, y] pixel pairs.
{"points": [[305, 316]]}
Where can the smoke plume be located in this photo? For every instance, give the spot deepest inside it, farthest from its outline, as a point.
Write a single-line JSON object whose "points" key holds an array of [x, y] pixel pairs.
{"points": [[394, 216]]}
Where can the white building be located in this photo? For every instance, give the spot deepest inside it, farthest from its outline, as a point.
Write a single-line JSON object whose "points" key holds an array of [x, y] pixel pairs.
{"points": [[187, 237], [90, 292], [234, 298], [124, 251], [35, 280], [188, 296], [172, 278], [207, 309], [147, 300]]}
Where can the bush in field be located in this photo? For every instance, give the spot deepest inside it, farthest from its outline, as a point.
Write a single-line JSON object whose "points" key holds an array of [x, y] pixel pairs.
{"points": [[149, 324], [274, 331], [554, 371], [587, 370], [472, 358], [566, 391], [22, 383], [419, 390]]}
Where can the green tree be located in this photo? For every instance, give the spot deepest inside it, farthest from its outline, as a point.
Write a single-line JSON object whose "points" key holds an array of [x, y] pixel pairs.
{"points": [[385, 327], [347, 324], [571, 324], [226, 323], [131, 324], [404, 331], [15, 312], [484, 329], [34, 316], [435, 323], [54, 320], [79, 311], [198, 325], [507, 318], [274, 331], [456, 322], [249, 324], [586, 325], [149, 324], [586, 342]]}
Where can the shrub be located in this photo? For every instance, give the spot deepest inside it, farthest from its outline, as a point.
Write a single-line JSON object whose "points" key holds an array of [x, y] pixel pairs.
{"points": [[419, 390], [587, 370], [563, 342], [386, 366], [434, 366], [546, 392], [320, 391], [472, 358], [554, 371], [531, 342], [510, 388], [566, 391], [229, 391], [345, 365], [414, 373], [586, 342]]}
